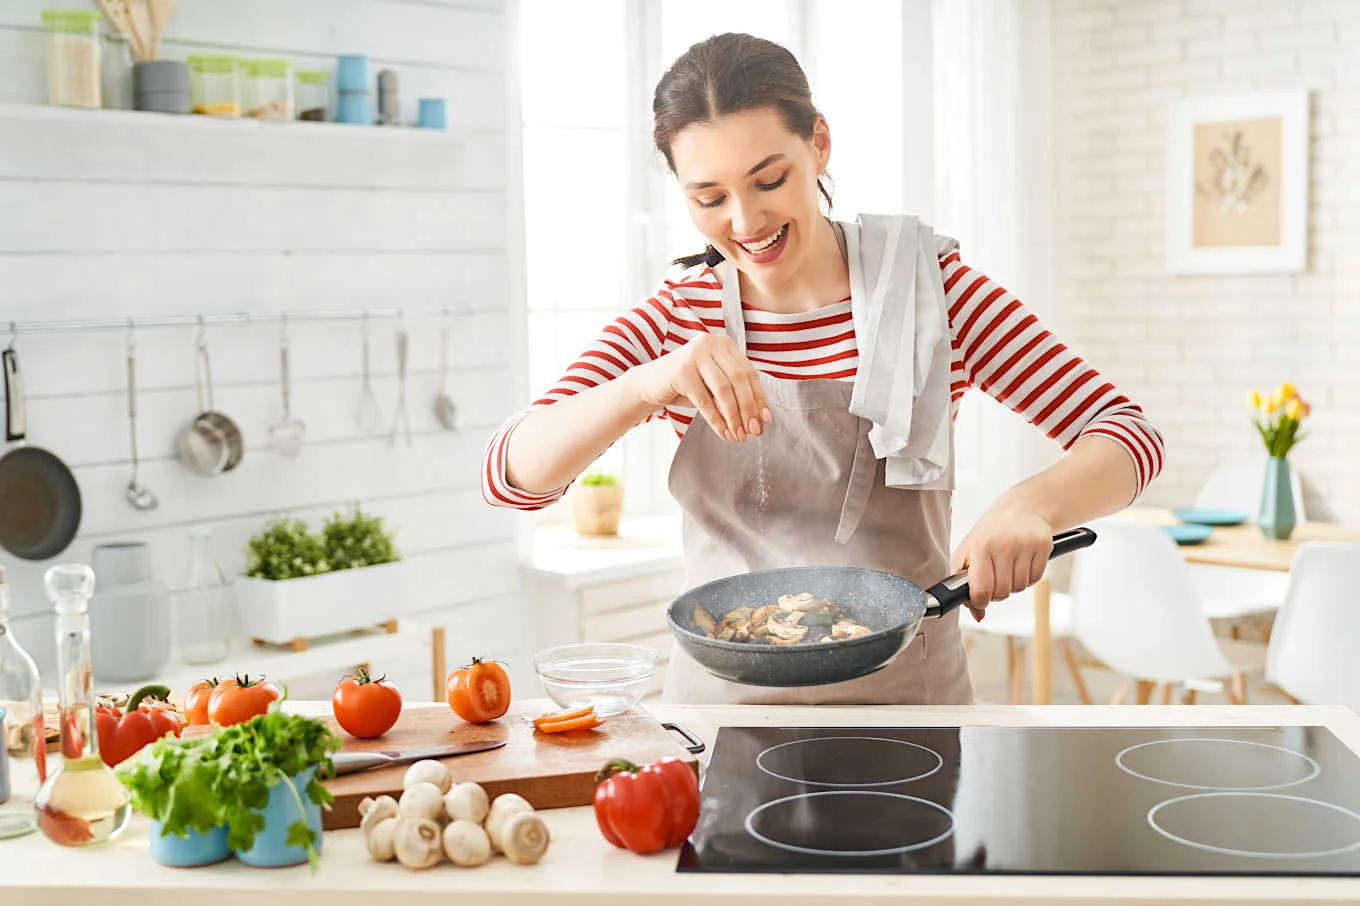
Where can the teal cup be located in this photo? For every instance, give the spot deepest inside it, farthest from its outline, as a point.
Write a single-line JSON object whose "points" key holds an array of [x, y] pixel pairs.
{"points": [[271, 849]]}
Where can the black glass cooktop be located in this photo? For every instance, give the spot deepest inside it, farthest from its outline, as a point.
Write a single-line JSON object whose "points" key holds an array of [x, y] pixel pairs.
{"points": [[1033, 800]]}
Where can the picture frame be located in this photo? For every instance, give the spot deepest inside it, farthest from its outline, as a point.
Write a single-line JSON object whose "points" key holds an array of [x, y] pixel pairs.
{"points": [[1237, 183]]}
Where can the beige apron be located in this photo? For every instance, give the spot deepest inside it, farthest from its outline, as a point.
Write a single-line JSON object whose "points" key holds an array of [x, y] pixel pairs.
{"points": [[810, 491]]}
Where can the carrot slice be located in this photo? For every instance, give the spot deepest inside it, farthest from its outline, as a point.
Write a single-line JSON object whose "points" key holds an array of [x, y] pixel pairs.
{"points": [[555, 716], [584, 722]]}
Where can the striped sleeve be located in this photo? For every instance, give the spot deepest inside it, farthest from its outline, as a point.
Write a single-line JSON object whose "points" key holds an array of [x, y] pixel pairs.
{"points": [[1002, 349], [635, 337]]}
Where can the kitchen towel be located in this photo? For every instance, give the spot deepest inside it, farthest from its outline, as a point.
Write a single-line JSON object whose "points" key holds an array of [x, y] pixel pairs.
{"points": [[900, 316]]}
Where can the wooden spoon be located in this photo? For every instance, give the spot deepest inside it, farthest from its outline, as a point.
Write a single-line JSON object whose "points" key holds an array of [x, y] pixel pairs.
{"points": [[161, 10], [140, 14], [118, 14]]}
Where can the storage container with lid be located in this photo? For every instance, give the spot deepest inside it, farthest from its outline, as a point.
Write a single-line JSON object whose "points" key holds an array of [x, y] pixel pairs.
{"points": [[269, 89], [313, 94], [73, 57], [214, 84]]}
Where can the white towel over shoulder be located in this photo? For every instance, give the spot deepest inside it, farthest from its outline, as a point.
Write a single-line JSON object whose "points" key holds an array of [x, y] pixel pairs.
{"points": [[900, 316]]}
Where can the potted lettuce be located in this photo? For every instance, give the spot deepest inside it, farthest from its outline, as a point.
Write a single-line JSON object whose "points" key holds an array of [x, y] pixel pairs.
{"points": [[250, 789], [301, 584], [597, 504]]}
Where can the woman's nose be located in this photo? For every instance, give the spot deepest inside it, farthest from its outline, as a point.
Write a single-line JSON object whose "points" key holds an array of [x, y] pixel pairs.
{"points": [[747, 218]]}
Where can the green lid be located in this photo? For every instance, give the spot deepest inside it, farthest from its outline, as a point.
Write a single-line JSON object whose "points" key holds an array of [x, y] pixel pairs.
{"points": [[213, 62], [71, 20], [267, 68], [313, 76]]}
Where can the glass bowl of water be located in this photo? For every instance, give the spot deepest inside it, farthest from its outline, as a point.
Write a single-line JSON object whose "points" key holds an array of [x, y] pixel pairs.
{"points": [[609, 676]]}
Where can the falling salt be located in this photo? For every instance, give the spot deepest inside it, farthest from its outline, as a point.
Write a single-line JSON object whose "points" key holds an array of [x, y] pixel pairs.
{"points": [[762, 483]]}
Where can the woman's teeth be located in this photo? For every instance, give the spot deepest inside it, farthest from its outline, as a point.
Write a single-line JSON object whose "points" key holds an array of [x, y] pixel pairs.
{"points": [[756, 248]]}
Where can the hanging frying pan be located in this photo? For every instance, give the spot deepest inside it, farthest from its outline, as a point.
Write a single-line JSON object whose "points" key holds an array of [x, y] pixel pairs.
{"points": [[39, 497], [892, 607]]}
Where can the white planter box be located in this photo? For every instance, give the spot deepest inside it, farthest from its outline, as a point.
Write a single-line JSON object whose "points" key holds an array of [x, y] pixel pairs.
{"points": [[283, 611]]}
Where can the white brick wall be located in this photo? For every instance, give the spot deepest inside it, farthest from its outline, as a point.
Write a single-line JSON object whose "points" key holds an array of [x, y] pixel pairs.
{"points": [[1189, 348]]}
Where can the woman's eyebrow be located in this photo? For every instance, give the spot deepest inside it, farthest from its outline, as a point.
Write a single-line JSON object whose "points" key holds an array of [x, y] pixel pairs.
{"points": [[751, 172]]}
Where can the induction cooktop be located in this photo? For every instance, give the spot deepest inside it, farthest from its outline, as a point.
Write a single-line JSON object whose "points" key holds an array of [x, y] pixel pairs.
{"points": [[1029, 800]]}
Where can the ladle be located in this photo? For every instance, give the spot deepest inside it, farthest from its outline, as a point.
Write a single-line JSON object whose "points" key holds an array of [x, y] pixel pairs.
{"points": [[138, 494], [445, 411]]}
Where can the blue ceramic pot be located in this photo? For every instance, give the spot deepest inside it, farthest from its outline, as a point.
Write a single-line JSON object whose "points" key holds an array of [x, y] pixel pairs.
{"points": [[270, 849], [195, 849], [1276, 518]]}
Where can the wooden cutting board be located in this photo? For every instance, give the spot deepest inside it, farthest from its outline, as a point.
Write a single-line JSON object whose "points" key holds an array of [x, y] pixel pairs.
{"points": [[551, 770]]}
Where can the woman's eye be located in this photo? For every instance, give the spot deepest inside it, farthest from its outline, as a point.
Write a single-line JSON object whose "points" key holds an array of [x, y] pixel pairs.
{"points": [[771, 186], [709, 204]]}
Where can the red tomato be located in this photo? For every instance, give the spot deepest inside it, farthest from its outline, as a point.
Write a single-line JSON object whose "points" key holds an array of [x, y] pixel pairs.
{"points": [[196, 701], [364, 706], [649, 808], [479, 692], [236, 701]]}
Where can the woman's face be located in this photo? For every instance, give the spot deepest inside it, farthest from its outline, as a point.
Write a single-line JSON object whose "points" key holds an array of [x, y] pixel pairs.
{"points": [[751, 188]]}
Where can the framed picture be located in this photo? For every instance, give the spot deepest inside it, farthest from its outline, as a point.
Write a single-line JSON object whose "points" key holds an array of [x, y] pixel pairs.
{"points": [[1238, 184]]}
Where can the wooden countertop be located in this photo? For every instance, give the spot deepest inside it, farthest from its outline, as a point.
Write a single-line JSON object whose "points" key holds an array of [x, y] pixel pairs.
{"points": [[1243, 545], [581, 869]]}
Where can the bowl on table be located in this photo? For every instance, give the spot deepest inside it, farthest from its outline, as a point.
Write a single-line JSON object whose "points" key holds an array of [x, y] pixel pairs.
{"points": [[609, 676]]}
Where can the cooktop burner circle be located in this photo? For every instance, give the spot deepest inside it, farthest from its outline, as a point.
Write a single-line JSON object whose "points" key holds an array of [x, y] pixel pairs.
{"points": [[1215, 764], [1257, 825], [809, 823], [849, 761]]}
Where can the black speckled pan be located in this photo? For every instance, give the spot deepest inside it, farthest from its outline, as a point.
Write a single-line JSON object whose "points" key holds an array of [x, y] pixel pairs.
{"points": [[891, 606]]}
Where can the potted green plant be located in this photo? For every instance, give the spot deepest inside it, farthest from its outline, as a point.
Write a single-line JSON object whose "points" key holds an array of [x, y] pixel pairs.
{"points": [[250, 789], [300, 584], [597, 503]]}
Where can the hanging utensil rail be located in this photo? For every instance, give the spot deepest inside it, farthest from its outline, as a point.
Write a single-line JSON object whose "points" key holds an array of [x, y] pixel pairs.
{"points": [[237, 318]]}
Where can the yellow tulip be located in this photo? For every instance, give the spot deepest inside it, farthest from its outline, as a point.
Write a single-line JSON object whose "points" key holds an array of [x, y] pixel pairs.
{"points": [[1288, 391], [1272, 403], [1254, 399], [1293, 409]]}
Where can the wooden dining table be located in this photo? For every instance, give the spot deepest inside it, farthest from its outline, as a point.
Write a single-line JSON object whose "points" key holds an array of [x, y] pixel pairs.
{"points": [[1242, 546]]}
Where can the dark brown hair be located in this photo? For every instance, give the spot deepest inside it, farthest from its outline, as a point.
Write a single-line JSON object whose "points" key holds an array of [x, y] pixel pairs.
{"points": [[724, 74]]}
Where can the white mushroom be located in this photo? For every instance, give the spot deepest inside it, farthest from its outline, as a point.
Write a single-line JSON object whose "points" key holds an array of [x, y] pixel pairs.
{"points": [[371, 810], [381, 840], [422, 801], [418, 842], [800, 602], [465, 843], [467, 802], [784, 625], [503, 808], [524, 838], [428, 771], [845, 629]]}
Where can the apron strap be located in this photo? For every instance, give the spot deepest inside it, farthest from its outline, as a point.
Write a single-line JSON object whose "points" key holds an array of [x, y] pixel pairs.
{"points": [[861, 485], [734, 319]]}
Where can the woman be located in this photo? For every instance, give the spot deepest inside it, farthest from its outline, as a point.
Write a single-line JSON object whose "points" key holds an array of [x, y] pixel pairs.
{"points": [[814, 372]]}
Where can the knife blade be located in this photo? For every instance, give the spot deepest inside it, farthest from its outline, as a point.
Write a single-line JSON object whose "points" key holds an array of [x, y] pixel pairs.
{"points": [[353, 762]]}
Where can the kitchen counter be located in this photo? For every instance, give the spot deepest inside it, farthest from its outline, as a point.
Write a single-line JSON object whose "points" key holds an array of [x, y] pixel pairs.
{"points": [[581, 869]]}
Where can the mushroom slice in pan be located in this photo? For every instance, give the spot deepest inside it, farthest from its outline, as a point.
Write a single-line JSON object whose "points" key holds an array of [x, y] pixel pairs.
{"points": [[844, 629], [784, 625], [703, 620], [802, 601]]}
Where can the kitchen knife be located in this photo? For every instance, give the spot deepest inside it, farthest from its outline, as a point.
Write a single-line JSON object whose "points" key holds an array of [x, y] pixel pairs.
{"points": [[353, 762]]}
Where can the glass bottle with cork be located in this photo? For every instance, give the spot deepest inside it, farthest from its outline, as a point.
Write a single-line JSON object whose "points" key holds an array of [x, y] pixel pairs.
{"points": [[20, 693], [81, 801]]}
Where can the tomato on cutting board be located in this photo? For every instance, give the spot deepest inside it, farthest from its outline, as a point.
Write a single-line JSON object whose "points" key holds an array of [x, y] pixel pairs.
{"points": [[196, 702], [237, 700], [366, 707], [479, 692]]}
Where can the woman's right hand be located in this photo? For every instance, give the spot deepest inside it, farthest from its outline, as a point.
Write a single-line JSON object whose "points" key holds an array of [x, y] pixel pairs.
{"points": [[710, 373]]}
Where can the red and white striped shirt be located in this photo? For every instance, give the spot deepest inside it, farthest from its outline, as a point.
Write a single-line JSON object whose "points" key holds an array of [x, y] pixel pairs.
{"points": [[998, 347]]}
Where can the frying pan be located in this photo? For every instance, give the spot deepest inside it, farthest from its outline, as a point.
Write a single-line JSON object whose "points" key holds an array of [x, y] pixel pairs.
{"points": [[39, 497], [892, 606]]}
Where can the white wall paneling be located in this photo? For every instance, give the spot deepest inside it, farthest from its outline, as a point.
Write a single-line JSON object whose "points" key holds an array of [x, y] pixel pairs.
{"points": [[106, 215]]}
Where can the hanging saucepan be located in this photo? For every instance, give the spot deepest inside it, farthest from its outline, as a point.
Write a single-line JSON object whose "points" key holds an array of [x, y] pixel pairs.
{"points": [[211, 443], [890, 606], [39, 498]]}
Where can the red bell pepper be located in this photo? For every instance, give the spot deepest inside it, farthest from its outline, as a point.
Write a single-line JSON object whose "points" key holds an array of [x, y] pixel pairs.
{"points": [[646, 809], [148, 717]]}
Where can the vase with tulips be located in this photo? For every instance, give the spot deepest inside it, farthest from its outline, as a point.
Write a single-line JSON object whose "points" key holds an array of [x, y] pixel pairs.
{"points": [[1277, 418]]}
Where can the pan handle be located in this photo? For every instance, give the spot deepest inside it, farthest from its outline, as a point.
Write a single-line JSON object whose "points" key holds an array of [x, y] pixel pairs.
{"points": [[15, 427], [949, 593]]}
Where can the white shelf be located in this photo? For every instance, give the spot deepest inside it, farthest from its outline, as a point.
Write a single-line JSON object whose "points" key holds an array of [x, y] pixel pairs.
{"points": [[232, 124]]}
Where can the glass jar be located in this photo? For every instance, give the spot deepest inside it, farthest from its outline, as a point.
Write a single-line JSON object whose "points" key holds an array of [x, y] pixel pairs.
{"points": [[81, 801], [73, 57], [214, 84], [204, 606], [269, 89], [116, 72], [313, 94], [20, 694]]}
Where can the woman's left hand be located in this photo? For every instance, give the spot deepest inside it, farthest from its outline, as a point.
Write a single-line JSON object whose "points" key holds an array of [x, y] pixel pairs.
{"points": [[1006, 551]]}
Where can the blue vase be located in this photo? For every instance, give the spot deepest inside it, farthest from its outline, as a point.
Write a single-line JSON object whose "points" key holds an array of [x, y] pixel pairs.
{"points": [[1276, 518], [271, 849], [194, 849]]}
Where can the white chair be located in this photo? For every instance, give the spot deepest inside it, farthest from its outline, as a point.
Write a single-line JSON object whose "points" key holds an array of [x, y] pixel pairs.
{"points": [[1135, 608], [1013, 619], [1229, 593], [1312, 657]]}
